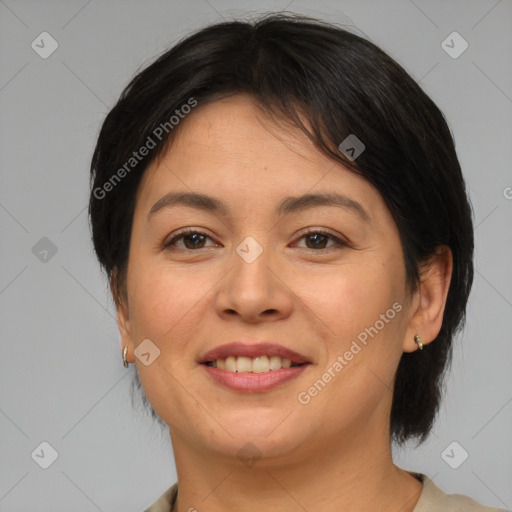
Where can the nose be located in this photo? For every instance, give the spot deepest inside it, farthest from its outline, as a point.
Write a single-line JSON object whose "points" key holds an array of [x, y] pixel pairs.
{"points": [[255, 288]]}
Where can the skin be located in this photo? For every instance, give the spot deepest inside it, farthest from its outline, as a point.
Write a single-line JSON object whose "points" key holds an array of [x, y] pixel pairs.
{"points": [[189, 300]]}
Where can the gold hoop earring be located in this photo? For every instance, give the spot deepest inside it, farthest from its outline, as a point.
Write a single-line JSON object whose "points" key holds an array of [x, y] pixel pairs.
{"points": [[125, 352], [417, 340]]}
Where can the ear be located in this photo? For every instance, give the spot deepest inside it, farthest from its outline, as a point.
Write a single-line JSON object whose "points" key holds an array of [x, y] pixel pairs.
{"points": [[429, 303], [118, 290]]}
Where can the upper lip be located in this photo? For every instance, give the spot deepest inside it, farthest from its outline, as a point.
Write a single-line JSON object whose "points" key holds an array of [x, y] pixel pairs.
{"points": [[238, 348]]}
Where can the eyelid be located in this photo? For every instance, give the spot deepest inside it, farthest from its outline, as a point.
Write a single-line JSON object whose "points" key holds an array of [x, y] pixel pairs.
{"points": [[324, 231]]}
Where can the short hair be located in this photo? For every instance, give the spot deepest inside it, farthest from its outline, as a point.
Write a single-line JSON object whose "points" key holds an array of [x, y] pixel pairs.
{"points": [[330, 83]]}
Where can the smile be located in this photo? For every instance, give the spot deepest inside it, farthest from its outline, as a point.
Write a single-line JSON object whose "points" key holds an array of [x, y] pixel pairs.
{"points": [[244, 364]]}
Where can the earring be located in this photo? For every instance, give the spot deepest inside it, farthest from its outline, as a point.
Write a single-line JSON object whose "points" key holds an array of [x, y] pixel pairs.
{"points": [[417, 340], [125, 361]]}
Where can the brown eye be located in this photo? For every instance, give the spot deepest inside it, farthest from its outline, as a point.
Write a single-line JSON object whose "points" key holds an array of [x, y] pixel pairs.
{"points": [[319, 239], [191, 240]]}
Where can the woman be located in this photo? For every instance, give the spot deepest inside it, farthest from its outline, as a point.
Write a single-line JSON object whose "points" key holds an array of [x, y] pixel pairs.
{"points": [[282, 217]]}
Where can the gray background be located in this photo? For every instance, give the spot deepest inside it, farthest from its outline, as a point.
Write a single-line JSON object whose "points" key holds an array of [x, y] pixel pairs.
{"points": [[61, 374]]}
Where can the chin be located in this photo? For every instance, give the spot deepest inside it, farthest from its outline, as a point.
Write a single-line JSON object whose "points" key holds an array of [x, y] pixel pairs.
{"points": [[256, 441]]}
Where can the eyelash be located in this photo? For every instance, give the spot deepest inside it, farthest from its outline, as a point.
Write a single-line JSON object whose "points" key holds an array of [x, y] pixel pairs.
{"points": [[191, 231]]}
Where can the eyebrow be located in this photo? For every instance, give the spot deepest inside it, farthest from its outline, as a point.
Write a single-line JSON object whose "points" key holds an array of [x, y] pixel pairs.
{"points": [[288, 205]]}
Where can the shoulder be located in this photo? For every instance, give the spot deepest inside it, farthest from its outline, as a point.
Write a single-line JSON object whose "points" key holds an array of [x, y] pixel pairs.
{"points": [[433, 499], [164, 503]]}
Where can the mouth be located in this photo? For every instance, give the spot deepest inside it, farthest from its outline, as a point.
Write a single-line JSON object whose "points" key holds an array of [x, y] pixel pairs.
{"points": [[252, 358], [253, 368]]}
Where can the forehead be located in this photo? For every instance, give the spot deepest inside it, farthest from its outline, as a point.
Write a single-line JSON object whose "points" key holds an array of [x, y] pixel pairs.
{"points": [[233, 138], [239, 127]]}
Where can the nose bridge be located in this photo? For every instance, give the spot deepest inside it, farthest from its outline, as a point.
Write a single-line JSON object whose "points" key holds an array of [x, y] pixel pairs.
{"points": [[251, 266], [250, 250]]}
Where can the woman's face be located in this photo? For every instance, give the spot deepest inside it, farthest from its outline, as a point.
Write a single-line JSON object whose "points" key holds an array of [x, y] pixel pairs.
{"points": [[252, 274]]}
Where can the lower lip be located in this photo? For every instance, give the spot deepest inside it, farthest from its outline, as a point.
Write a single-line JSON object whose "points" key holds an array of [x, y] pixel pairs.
{"points": [[254, 382]]}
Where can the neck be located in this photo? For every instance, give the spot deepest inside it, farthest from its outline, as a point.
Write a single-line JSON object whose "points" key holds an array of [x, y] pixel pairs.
{"points": [[324, 476]]}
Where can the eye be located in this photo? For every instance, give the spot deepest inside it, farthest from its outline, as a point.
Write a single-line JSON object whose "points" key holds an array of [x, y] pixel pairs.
{"points": [[318, 238], [192, 239]]}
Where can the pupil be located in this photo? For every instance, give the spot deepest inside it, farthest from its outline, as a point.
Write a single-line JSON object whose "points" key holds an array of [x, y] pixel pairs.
{"points": [[194, 236], [316, 238]]}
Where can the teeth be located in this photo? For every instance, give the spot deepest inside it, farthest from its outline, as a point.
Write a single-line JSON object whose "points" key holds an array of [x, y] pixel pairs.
{"points": [[230, 364], [260, 364], [243, 364], [275, 362]]}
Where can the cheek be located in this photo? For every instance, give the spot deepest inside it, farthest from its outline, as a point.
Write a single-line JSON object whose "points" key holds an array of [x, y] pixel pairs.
{"points": [[164, 307], [363, 311], [350, 299], [162, 297], [365, 347]]}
